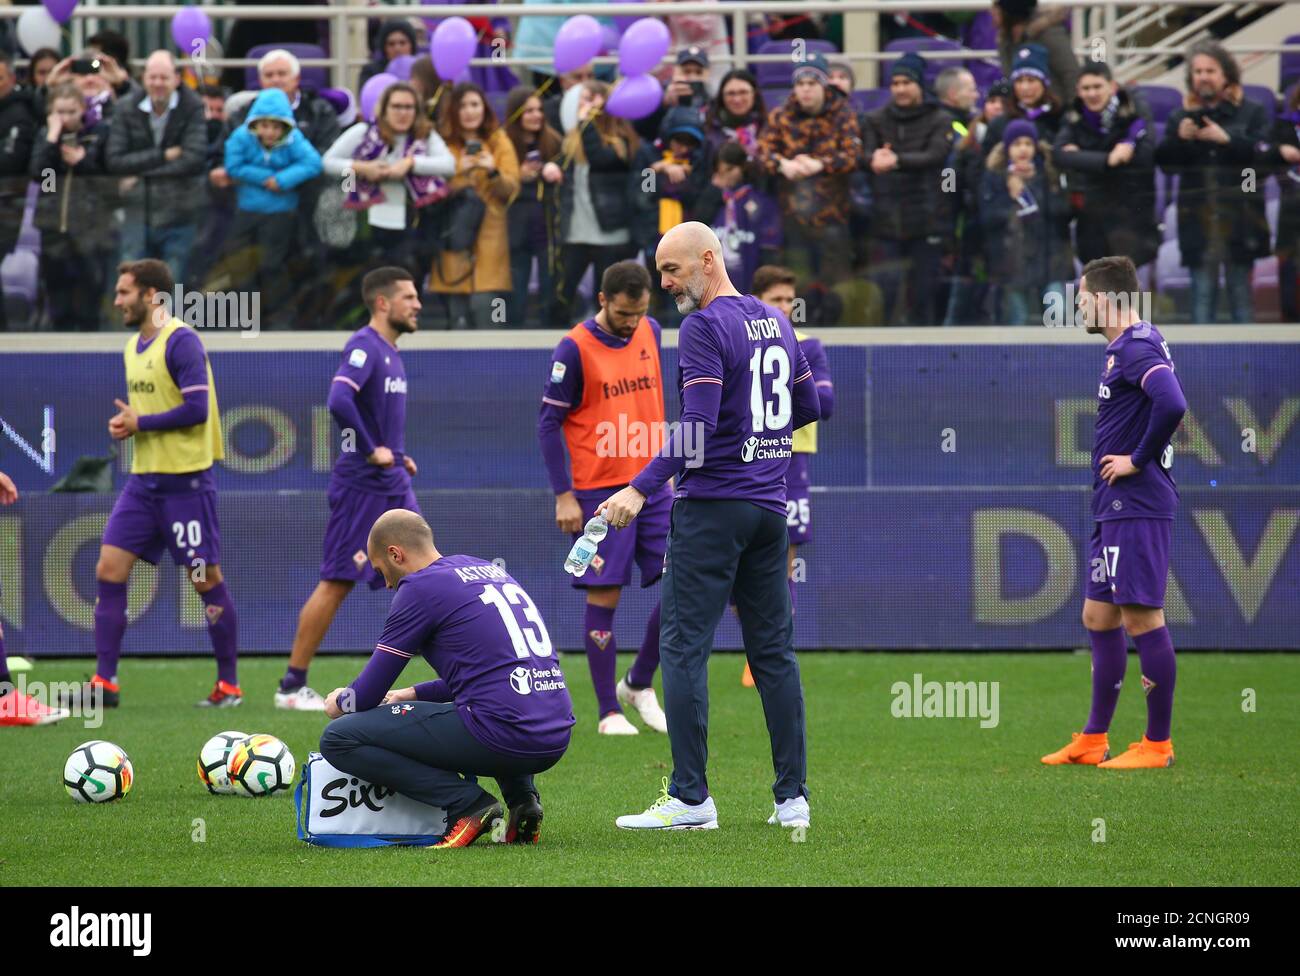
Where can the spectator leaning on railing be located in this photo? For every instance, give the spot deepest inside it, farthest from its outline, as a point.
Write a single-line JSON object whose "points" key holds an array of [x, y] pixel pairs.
{"points": [[396, 39], [399, 165], [811, 145], [905, 146], [1020, 22], [159, 146], [1280, 154], [595, 208], [17, 126], [485, 166], [268, 158], [1208, 142], [534, 215], [72, 211], [1106, 146]]}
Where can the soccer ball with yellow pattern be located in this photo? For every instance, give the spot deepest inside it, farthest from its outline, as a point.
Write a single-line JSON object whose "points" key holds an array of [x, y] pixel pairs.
{"points": [[260, 765]]}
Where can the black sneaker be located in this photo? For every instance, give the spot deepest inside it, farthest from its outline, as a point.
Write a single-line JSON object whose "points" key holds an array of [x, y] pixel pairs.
{"points": [[525, 825], [224, 695], [88, 695]]}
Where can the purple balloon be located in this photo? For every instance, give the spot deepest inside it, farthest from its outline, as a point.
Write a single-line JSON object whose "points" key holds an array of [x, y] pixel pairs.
{"points": [[191, 29], [372, 91], [609, 37], [623, 23], [576, 43], [451, 46], [400, 66], [643, 46], [635, 97], [60, 10]]}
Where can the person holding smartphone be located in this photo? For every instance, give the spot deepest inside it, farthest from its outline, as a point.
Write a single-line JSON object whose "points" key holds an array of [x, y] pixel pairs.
{"points": [[532, 215]]}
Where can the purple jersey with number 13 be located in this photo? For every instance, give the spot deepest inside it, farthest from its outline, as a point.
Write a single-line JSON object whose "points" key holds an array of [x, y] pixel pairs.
{"points": [[751, 350], [485, 637]]}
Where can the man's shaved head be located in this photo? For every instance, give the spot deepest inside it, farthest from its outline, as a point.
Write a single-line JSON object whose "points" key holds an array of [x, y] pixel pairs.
{"points": [[691, 265], [400, 543]]}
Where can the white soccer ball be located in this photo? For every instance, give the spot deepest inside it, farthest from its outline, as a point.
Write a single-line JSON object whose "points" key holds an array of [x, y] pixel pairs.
{"points": [[97, 772], [213, 758], [260, 765]]}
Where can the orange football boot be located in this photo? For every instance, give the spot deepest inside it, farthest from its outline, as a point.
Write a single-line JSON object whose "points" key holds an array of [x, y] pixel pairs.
{"points": [[1143, 755], [747, 678], [471, 826], [1085, 749]]}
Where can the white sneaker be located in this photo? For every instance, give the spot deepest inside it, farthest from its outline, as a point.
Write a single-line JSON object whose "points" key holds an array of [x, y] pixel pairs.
{"points": [[669, 813], [791, 813], [645, 703], [616, 723], [300, 700], [17, 664]]}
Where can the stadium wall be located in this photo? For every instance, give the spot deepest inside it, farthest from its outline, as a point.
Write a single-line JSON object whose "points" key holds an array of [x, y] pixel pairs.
{"points": [[951, 508]]}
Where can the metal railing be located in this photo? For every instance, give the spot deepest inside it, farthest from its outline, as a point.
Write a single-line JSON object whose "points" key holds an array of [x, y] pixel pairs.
{"points": [[343, 61]]}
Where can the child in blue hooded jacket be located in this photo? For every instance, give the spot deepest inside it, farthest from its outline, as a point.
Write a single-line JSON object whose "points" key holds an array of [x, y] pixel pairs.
{"points": [[268, 158]]}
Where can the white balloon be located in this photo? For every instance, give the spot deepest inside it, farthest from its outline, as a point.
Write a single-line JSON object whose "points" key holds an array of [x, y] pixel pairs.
{"points": [[568, 107], [37, 29]]}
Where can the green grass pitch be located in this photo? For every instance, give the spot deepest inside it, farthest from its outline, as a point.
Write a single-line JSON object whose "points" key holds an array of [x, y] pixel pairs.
{"points": [[894, 800]]}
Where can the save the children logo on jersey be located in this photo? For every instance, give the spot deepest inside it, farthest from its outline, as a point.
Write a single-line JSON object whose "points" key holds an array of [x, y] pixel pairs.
{"points": [[766, 448], [521, 680], [748, 449]]}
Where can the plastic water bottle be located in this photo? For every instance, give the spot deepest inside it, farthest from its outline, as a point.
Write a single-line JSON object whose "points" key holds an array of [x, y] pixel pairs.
{"points": [[584, 550]]}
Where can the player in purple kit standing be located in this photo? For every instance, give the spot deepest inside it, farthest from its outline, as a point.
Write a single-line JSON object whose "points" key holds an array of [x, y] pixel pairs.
{"points": [[499, 707], [606, 400], [745, 387], [372, 473], [170, 500], [1140, 404]]}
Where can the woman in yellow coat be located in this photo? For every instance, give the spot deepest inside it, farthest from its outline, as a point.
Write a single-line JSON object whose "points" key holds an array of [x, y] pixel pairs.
{"points": [[485, 161]]}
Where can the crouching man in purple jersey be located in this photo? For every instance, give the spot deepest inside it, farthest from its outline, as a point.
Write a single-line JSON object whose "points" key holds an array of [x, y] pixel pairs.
{"points": [[1140, 404], [372, 474], [746, 388], [499, 708]]}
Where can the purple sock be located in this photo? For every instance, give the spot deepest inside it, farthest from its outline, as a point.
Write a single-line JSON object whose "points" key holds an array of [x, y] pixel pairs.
{"points": [[1156, 652], [294, 678], [223, 630], [599, 625], [1109, 659], [110, 625], [642, 672]]}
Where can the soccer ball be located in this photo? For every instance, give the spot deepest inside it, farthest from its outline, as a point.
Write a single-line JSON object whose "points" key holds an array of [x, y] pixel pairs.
{"points": [[97, 772], [212, 761], [260, 765]]}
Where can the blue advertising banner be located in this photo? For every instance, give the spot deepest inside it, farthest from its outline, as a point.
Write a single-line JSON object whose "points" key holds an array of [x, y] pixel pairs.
{"points": [[951, 508]]}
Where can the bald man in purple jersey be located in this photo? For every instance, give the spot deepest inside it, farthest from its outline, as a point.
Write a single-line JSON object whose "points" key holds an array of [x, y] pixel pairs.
{"points": [[745, 386], [1140, 403]]}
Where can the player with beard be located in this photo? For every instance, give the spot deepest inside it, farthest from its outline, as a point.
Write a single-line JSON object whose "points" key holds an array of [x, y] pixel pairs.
{"points": [[372, 474], [170, 500]]}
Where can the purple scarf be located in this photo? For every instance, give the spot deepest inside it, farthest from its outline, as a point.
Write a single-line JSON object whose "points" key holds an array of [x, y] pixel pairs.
{"points": [[424, 190], [95, 109]]}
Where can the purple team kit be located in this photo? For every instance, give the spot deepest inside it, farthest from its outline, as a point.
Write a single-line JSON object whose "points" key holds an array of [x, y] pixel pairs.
{"points": [[485, 638], [1128, 554], [798, 480], [368, 398]]}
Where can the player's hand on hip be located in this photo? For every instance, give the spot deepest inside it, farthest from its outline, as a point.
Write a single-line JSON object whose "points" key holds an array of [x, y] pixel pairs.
{"points": [[1116, 466], [8, 490], [381, 457], [399, 695], [621, 507], [568, 513], [409, 464]]}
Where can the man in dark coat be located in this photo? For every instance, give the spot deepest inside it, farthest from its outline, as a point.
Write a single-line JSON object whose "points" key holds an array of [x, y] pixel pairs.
{"points": [[17, 127]]}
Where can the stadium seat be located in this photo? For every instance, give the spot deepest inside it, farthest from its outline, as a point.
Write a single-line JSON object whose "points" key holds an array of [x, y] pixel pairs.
{"points": [[1289, 65], [1162, 100], [1264, 96], [316, 78], [779, 74], [869, 99], [982, 35], [928, 48], [775, 97]]}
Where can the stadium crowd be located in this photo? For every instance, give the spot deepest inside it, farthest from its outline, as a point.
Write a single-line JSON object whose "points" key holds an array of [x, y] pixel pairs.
{"points": [[955, 195]]}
